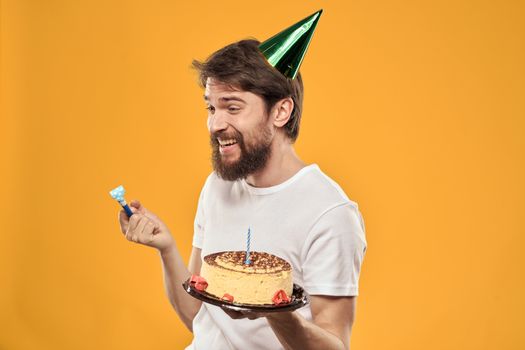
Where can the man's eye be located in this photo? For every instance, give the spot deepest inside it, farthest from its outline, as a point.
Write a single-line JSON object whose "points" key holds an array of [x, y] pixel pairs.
{"points": [[233, 109], [210, 108]]}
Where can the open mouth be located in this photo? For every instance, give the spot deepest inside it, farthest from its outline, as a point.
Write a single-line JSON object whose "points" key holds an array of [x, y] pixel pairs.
{"points": [[225, 144]]}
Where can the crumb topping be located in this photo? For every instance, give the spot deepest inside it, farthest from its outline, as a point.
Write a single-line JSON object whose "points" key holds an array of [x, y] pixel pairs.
{"points": [[259, 262]]}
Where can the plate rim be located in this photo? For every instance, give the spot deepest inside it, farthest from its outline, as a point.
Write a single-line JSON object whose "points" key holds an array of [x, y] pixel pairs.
{"points": [[301, 298]]}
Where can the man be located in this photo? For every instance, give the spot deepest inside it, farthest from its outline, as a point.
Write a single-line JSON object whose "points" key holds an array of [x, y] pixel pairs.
{"points": [[293, 210]]}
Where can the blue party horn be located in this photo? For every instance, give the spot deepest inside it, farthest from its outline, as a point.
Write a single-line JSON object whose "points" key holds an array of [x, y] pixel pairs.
{"points": [[118, 194]]}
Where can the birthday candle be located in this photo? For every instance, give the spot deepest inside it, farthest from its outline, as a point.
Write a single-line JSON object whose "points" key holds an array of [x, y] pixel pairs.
{"points": [[248, 248], [118, 194]]}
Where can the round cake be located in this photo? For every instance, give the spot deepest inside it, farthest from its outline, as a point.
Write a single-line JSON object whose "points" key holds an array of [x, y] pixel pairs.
{"points": [[267, 279]]}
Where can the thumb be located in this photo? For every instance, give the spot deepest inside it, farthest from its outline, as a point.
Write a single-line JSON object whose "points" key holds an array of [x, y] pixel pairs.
{"points": [[135, 204]]}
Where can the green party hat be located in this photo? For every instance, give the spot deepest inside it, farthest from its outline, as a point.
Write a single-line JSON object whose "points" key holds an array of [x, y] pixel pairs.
{"points": [[285, 51]]}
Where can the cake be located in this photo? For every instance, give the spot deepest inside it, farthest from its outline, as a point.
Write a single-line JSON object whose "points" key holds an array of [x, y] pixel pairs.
{"points": [[267, 279]]}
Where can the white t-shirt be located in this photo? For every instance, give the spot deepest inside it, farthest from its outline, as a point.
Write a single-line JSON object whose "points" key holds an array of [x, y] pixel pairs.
{"points": [[307, 220]]}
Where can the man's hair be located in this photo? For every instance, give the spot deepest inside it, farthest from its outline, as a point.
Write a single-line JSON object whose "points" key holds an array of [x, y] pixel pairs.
{"points": [[243, 66]]}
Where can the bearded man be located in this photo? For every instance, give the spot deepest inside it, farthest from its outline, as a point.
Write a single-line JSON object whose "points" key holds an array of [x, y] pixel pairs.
{"points": [[294, 210]]}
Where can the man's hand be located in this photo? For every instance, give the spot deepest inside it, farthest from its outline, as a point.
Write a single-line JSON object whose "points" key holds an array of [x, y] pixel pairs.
{"points": [[330, 328], [145, 228]]}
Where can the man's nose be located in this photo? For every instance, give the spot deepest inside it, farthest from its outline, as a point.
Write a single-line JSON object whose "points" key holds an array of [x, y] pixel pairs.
{"points": [[217, 122]]}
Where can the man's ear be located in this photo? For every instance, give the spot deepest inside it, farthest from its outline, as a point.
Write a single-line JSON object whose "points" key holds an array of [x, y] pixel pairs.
{"points": [[282, 111]]}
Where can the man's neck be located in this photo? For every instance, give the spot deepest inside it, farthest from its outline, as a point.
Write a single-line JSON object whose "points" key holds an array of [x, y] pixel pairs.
{"points": [[282, 165]]}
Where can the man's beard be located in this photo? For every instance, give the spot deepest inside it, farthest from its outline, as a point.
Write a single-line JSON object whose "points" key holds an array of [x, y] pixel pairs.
{"points": [[251, 159]]}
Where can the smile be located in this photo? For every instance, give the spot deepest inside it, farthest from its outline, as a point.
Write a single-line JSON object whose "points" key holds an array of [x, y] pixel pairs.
{"points": [[228, 142]]}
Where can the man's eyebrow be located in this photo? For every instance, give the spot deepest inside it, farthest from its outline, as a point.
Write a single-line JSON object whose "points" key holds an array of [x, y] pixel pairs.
{"points": [[227, 98], [232, 98]]}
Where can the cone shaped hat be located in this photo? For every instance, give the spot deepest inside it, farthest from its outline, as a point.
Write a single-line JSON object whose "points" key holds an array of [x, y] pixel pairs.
{"points": [[285, 50]]}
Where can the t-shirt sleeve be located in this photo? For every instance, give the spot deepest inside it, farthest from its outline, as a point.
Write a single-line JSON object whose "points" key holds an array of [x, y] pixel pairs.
{"points": [[199, 223], [333, 252]]}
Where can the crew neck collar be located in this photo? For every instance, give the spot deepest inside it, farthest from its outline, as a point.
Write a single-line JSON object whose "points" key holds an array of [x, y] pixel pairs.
{"points": [[282, 185]]}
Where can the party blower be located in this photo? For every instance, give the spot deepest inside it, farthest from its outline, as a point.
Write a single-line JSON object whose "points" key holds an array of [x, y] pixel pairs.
{"points": [[118, 194]]}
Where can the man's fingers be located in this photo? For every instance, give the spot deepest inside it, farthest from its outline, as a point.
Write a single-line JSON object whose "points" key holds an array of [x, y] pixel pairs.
{"points": [[147, 232], [136, 204], [134, 221], [123, 216], [140, 227], [124, 221]]}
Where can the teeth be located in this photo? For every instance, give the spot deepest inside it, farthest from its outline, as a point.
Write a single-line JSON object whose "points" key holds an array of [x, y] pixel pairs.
{"points": [[227, 142]]}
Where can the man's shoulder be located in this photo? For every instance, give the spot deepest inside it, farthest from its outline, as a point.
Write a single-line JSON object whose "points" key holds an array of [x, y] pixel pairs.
{"points": [[319, 185]]}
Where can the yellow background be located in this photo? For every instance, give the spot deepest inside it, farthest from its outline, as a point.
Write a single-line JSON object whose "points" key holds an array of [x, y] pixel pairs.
{"points": [[416, 108]]}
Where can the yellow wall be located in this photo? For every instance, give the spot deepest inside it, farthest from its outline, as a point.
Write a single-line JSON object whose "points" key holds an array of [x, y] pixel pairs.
{"points": [[415, 107]]}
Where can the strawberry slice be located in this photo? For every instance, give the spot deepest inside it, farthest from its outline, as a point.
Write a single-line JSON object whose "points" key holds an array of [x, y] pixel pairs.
{"points": [[280, 297], [196, 278], [227, 297], [199, 283]]}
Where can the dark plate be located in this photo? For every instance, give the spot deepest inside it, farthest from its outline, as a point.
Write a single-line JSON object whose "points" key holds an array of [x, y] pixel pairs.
{"points": [[299, 299]]}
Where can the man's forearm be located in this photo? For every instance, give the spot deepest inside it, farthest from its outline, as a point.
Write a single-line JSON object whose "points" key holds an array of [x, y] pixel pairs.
{"points": [[295, 332], [176, 272]]}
